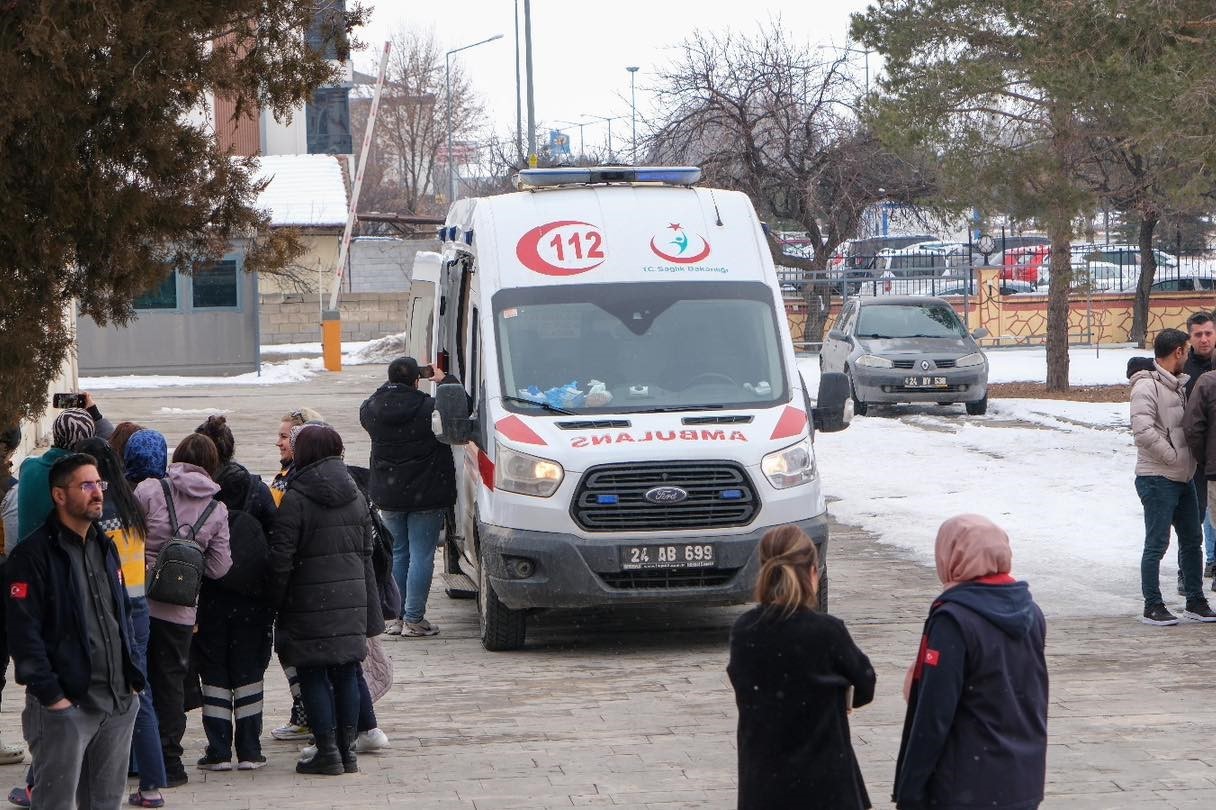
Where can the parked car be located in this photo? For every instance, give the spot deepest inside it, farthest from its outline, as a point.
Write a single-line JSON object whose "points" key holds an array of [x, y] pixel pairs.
{"points": [[1008, 287], [913, 260], [907, 349], [1187, 282]]}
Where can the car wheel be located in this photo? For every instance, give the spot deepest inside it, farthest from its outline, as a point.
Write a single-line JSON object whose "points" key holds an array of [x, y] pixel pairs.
{"points": [[501, 628], [859, 407], [978, 408]]}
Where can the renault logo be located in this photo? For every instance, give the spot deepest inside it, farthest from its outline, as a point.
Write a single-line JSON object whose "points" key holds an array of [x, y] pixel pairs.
{"points": [[666, 495], [924, 365]]}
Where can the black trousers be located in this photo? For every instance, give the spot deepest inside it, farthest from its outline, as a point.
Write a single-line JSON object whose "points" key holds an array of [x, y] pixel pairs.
{"points": [[233, 651], [168, 661]]}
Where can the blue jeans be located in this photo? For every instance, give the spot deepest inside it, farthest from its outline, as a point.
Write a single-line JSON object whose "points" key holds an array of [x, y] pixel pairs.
{"points": [[415, 535], [1170, 503], [331, 696], [145, 742]]}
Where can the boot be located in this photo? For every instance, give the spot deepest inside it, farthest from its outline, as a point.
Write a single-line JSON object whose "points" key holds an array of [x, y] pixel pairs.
{"points": [[327, 760], [346, 747]]}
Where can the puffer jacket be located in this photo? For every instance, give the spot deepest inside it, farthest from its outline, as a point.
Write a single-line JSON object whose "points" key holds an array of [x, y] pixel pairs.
{"points": [[192, 490], [321, 576], [1158, 405], [411, 470]]}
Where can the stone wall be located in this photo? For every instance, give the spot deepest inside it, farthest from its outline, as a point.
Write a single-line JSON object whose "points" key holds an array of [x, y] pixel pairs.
{"points": [[296, 318], [384, 264]]}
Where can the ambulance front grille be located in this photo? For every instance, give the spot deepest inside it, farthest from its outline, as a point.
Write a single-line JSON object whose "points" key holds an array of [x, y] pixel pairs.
{"points": [[612, 497]]}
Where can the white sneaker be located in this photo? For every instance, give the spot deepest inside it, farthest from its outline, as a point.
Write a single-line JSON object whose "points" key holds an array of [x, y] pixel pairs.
{"points": [[307, 753], [12, 754], [370, 741], [393, 628], [290, 731]]}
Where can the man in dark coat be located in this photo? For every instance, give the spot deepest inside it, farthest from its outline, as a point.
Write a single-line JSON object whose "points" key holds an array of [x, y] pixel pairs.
{"points": [[413, 483], [1201, 332], [69, 630]]}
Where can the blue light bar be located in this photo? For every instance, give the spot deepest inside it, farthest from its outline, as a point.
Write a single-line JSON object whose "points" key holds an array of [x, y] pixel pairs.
{"points": [[731, 495], [666, 175], [607, 500]]}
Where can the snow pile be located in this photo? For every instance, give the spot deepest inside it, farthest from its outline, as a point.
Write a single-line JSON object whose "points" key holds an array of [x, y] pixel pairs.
{"points": [[383, 350], [304, 190], [289, 371]]}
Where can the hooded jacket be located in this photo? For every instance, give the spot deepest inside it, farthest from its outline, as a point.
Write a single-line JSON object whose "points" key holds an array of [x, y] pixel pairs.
{"points": [[1157, 408], [791, 677], [975, 733], [192, 490], [411, 470], [251, 512], [321, 577]]}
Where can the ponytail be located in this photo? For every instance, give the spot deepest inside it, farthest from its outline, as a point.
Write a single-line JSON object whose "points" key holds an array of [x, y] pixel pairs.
{"points": [[787, 559]]}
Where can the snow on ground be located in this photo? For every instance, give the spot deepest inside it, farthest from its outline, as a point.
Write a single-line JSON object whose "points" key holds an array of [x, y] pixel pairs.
{"points": [[1057, 475], [297, 370], [1086, 365]]}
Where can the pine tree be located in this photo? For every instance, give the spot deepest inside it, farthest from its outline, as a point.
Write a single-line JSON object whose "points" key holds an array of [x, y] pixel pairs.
{"points": [[108, 179]]}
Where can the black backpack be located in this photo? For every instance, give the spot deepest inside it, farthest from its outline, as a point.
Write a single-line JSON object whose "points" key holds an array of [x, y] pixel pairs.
{"points": [[177, 575], [250, 550]]}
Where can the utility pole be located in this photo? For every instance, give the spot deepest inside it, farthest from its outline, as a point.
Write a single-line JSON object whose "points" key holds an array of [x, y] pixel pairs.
{"points": [[580, 125], [608, 120], [532, 160], [633, 106], [447, 81], [519, 106]]}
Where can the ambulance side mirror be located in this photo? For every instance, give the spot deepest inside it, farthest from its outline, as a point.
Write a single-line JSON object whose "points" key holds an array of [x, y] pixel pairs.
{"points": [[450, 420], [833, 409]]}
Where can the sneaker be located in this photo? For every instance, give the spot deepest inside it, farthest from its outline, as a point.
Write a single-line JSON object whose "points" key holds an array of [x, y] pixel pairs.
{"points": [[393, 628], [208, 763], [138, 799], [370, 741], [307, 753], [419, 628], [251, 763], [1209, 570], [175, 774], [1158, 615], [290, 731], [11, 754], [1199, 612], [20, 796]]}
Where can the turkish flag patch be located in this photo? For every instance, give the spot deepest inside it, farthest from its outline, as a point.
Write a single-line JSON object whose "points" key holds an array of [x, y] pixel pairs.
{"points": [[932, 657], [19, 590]]}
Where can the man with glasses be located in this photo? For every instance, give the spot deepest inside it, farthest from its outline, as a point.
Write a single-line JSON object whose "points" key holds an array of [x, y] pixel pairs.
{"points": [[69, 635]]}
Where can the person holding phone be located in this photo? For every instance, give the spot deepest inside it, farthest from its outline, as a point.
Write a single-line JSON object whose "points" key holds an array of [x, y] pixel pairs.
{"points": [[797, 675], [413, 483]]}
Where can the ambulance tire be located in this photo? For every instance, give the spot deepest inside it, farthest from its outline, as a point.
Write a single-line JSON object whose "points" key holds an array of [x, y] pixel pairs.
{"points": [[502, 629], [451, 565]]}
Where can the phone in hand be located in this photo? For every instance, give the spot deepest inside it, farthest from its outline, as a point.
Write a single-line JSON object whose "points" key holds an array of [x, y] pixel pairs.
{"points": [[66, 400], [427, 372]]}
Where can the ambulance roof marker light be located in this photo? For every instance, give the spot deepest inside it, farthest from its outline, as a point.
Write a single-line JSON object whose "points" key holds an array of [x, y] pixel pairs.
{"points": [[664, 175]]}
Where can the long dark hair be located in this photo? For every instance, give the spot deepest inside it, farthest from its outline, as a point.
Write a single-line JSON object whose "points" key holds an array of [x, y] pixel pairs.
{"points": [[118, 490]]}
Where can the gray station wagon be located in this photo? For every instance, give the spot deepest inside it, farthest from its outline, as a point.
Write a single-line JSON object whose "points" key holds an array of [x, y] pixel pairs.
{"points": [[907, 349]]}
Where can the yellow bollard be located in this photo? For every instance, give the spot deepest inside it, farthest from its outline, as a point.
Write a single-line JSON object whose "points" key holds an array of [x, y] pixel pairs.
{"points": [[331, 339]]}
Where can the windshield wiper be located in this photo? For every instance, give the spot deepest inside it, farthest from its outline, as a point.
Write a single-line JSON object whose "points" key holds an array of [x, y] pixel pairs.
{"points": [[678, 408], [540, 404]]}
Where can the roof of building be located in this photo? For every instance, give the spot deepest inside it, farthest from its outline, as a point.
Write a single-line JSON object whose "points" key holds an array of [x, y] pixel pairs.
{"points": [[304, 190]]}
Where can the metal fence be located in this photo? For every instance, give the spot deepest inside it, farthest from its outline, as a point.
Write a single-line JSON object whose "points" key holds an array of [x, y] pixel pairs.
{"points": [[1096, 269]]}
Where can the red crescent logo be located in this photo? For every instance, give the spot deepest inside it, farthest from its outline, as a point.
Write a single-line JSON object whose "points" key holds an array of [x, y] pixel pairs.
{"points": [[682, 259], [574, 256]]}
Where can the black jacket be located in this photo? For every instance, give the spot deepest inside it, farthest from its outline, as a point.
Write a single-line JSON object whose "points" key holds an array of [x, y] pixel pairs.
{"points": [[791, 678], [321, 578], [47, 628], [975, 734], [411, 470], [1196, 368], [251, 513]]}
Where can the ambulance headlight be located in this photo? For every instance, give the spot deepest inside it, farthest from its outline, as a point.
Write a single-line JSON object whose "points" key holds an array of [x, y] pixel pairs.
{"points": [[791, 466], [524, 474]]}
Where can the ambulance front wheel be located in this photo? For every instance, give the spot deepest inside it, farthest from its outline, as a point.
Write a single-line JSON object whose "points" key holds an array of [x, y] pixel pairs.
{"points": [[502, 629]]}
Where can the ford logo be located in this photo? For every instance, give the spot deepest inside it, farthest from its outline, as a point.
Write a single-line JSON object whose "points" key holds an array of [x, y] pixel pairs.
{"points": [[666, 495]]}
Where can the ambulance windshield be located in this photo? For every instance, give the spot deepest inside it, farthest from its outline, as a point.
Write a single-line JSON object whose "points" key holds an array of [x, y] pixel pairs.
{"points": [[638, 347]]}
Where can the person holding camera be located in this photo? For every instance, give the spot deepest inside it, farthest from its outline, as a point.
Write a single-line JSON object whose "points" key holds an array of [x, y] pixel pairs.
{"points": [[182, 504], [413, 483]]}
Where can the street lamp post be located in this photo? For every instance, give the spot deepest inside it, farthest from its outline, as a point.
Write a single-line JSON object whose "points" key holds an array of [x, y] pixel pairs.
{"points": [[447, 84], [607, 120], [580, 125], [633, 109]]}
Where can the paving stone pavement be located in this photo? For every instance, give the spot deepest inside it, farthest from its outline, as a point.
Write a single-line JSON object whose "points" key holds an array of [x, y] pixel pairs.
{"points": [[632, 708]]}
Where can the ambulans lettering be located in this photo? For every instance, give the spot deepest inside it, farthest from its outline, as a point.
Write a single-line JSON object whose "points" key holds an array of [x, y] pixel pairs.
{"points": [[658, 436]]}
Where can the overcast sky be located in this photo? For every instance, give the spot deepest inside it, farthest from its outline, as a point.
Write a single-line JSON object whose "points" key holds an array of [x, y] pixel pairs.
{"points": [[580, 50]]}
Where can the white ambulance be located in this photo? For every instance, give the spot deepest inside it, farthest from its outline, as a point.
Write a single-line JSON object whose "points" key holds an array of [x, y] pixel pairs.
{"points": [[638, 421]]}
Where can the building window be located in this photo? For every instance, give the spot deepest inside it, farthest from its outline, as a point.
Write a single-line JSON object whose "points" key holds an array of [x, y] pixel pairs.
{"points": [[162, 296], [326, 35], [328, 122], [215, 286]]}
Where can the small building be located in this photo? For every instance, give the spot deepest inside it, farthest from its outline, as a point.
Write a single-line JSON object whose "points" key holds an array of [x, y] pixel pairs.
{"points": [[208, 322]]}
